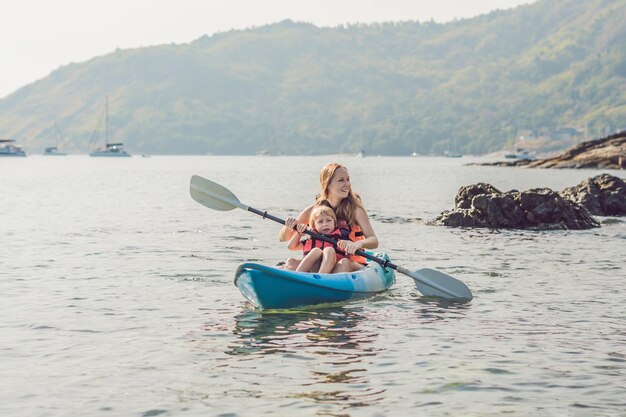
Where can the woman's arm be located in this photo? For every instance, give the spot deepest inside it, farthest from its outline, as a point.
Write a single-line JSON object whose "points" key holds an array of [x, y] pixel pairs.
{"points": [[370, 240], [294, 242], [363, 220], [287, 233]]}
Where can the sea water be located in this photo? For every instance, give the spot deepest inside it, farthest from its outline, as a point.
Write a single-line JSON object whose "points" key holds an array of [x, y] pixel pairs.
{"points": [[117, 297]]}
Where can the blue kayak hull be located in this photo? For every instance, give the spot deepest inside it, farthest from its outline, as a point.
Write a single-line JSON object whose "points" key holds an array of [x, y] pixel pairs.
{"points": [[273, 288]]}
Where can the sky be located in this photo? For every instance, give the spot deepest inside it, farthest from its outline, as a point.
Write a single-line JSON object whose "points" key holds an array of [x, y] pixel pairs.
{"points": [[39, 36]]}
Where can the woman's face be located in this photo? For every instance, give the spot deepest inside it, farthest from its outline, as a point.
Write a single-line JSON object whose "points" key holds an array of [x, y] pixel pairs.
{"points": [[339, 185]]}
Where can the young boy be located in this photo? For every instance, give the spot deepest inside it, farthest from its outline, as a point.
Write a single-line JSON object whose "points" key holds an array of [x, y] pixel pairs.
{"points": [[323, 221]]}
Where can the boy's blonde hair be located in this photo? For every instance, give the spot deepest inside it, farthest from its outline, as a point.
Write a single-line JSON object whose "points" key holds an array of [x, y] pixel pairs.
{"points": [[321, 211]]}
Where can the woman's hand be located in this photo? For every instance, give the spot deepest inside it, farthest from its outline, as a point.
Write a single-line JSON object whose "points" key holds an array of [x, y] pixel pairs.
{"points": [[349, 246], [288, 230], [290, 223]]}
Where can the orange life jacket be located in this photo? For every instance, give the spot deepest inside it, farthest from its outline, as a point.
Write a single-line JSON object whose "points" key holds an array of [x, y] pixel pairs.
{"points": [[312, 242], [354, 233]]}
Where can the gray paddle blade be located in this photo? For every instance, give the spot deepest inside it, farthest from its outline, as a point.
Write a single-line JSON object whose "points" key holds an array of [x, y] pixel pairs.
{"points": [[433, 283], [213, 195]]}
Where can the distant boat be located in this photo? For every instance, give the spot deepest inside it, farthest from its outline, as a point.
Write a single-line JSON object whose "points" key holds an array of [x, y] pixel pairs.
{"points": [[110, 149], [520, 153], [452, 150], [361, 154], [54, 150], [8, 147]]}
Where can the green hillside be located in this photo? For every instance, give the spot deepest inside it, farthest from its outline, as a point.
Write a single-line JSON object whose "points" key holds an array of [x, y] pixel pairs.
{"points": [[390, 88]]}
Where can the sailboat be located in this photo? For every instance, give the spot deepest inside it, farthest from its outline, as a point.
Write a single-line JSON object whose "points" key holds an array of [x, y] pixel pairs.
{"points": [[452, 151], [110, 149], [54, 150], [452, 154], [518, 149], [9, 148], [519, 153]]}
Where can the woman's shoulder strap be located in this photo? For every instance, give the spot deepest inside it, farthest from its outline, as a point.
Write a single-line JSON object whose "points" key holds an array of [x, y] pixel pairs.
{"points": [[343, 225]]}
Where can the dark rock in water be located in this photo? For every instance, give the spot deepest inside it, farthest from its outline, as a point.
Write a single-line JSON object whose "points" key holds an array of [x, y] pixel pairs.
{"points": [[602, 195], [465, 195], [514, 163], [482, 205]]}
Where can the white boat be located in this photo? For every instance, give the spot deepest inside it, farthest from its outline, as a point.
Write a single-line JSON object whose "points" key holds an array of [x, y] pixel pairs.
{"points": [[53, 151], [520, 153], [8, 147], [109, 149], [452, 150]]}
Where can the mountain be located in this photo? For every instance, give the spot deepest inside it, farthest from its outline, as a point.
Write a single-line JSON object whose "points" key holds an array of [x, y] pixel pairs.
{"points": [[388, 88]]}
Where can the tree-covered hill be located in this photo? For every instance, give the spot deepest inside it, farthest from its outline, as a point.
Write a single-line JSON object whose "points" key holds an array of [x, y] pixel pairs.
{"points": [[389, 88]]}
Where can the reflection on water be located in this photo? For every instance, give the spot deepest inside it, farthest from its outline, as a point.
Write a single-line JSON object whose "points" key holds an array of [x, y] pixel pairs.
{"points": [[440, 309], [332, 337], [327, 329]]}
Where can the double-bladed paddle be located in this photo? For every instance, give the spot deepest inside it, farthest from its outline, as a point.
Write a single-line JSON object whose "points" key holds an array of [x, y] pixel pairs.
{"points": [[429, 282]]}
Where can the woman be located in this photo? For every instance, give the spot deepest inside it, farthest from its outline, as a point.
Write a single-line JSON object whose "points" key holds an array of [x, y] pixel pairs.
{"points": [[337, 193]]}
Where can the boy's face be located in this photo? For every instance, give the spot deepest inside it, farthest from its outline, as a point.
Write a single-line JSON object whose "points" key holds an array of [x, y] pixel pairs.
{"points": [[324, 224]]}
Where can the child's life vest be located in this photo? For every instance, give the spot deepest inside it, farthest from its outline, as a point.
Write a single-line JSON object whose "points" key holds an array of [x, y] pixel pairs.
{"points": [[343, 232], [336, 234]]}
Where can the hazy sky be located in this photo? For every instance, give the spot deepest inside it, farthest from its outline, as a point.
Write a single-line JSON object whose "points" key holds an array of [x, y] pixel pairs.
{"points": [[38, 36]]}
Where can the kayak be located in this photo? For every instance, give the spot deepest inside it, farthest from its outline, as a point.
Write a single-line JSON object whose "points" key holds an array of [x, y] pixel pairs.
{"points": [[269, 287]]}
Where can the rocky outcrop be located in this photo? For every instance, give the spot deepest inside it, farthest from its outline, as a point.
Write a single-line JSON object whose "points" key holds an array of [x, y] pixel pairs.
{"points": [[605, 153], [602, 195], [482, 205]]}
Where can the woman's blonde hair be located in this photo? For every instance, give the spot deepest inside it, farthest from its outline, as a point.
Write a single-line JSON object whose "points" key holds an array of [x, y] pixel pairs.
{"points": [[347, 208], [321, 211]]}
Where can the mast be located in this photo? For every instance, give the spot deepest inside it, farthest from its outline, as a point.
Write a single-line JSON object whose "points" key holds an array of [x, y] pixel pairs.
{"points": [[57, 133], [106, 123]]}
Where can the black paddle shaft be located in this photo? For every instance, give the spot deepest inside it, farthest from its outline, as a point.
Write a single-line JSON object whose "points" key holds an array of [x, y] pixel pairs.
{"points": [[383, 262]]}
